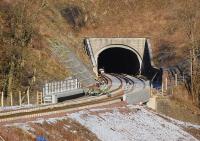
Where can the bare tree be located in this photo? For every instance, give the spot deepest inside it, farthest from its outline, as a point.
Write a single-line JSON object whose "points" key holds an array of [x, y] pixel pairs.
{"points": [[188, 16], [16, 33]]}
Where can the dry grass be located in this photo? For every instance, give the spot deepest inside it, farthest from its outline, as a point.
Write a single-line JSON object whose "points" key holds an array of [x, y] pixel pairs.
{"points": [[181, 94], [13, 133], [61, 130], [194, 132], [155, 19]]}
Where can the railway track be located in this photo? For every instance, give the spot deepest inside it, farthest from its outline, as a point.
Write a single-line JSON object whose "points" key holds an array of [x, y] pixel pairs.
{"points": [[116, 95], [116, 84], [129, 83]]}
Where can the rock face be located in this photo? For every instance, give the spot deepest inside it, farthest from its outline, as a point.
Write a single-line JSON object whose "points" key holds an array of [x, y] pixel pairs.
{"points": [[72, 62]]}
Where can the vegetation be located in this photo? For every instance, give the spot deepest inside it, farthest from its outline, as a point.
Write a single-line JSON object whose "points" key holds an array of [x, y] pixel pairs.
{"points": [[21, 50], [17, 33], [51, 130], [189, 16], [29, 28]]}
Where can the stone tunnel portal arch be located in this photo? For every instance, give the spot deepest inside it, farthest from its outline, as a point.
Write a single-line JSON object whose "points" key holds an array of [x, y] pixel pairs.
{"points": [[119, 59]]}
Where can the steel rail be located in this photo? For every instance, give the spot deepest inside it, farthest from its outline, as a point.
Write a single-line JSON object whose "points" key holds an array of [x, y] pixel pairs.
{"points": [[116, 94]]}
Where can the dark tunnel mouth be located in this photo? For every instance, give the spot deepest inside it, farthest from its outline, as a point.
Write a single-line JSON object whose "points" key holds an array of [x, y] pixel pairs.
{"points": [[119, 60]]}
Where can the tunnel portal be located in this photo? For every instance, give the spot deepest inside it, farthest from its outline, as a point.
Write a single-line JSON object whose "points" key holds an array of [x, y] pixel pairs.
{"points": [[119, 60]]}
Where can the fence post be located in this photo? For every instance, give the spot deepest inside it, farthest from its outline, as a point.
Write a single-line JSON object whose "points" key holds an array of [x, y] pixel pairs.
{"points": [[54, 87], [46, 88], [59, 86], [43, 90], [176, 83], [41, 97], [11, 98], [50, 88], [20, 98], [62, 86], [28, 96], [67, 85], [72, 84], [166, 83], [2, 98], [37, 98], [76, 83]]}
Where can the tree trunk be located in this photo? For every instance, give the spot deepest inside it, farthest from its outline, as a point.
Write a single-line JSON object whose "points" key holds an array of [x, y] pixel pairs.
{"points": [[10, 78]]}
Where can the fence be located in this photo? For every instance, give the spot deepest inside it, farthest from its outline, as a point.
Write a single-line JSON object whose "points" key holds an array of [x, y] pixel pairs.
{"points": [[61, 86], [169, 82], [51, 91], [21, 99]]}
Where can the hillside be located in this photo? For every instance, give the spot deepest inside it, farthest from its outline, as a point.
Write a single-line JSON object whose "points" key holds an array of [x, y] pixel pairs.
{"points": [[65, 24], [156, 19], [42, 41], [111, 123]]}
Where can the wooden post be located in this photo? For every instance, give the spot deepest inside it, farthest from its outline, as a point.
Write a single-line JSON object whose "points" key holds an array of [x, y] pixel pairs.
{"points": [[11, 99], [191, 70], [20, 98], [166, 83], [28, 96], [2, 98], [41, 100], [176, 81], [43, 90], [37, 98]]}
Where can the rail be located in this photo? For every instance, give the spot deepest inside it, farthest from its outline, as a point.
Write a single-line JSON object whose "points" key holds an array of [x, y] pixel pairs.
{"points": [[116, 95]]}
